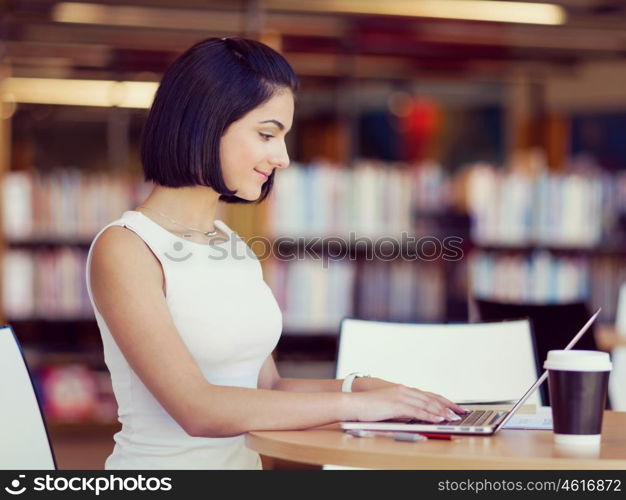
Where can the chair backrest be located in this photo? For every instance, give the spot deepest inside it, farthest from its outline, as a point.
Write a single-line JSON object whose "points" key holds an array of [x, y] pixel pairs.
{"points": [[463, 362], [23, 432], [553, 326]]}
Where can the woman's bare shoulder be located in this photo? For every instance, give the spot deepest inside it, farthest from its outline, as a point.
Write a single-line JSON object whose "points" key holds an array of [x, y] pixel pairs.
{"points": [[116, 242], [122, 249]]}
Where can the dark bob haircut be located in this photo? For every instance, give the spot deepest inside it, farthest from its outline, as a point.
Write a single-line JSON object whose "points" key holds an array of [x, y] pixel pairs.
{"points": [[211, 85]]}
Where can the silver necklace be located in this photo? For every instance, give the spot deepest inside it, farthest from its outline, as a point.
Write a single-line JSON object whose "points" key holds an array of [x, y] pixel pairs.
{"points": [[208, 234]]}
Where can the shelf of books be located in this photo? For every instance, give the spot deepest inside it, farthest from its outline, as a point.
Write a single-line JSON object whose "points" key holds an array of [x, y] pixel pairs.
{"points": [[48, 222], [348, 244], [547, 237]]}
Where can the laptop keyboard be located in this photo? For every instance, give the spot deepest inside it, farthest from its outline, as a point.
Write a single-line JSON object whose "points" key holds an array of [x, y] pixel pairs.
{"points": [[473, 418]]}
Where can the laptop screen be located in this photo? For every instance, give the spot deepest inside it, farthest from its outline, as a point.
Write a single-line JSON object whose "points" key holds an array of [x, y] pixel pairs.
{"points": [[543, 377]]}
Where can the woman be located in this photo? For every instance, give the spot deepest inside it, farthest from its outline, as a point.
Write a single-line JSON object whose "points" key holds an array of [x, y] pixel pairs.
{"points": [[187, 322]]}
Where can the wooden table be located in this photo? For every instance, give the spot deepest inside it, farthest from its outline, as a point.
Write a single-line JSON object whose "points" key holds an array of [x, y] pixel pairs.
{"points": [[509, 449]]}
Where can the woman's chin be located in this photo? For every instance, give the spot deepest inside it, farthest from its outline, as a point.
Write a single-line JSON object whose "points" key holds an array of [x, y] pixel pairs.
{"points": [[249, 194]]}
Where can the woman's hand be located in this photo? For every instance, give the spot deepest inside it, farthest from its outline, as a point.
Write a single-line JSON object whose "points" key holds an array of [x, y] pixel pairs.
{"points": [[377, 399]]}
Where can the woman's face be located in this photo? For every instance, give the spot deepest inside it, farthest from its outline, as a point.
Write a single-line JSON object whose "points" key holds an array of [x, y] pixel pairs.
{"points": [[254, 145]]}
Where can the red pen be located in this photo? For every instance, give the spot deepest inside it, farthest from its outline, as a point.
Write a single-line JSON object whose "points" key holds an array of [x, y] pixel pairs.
{"points": [[446, 437]]}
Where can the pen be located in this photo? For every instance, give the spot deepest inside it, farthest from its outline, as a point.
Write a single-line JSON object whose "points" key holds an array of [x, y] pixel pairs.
{"points": [[447, 437], [409, 436], [399, 436]]}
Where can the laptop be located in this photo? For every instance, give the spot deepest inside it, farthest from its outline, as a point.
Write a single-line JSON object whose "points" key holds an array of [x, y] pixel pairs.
{"points": [[481, 422]]}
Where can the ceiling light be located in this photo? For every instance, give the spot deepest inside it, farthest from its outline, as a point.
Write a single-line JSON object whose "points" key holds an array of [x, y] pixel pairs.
{"points": [[476, 10], [168, 18], [103, 93]]}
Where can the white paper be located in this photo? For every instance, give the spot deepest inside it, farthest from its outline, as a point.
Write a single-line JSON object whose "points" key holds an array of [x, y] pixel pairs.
{"points": [[540, 420]]}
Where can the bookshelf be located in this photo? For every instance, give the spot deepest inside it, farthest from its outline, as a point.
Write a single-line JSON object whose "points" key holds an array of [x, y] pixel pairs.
{"points": [[363, 240], [49, 219], [543, 236]]}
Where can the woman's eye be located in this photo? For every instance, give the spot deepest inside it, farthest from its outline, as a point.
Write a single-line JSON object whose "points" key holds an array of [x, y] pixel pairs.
{"points": [[266, 137]]}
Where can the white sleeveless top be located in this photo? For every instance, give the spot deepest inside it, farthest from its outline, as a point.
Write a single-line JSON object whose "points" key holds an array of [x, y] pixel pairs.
{"points": [[230, 321]]}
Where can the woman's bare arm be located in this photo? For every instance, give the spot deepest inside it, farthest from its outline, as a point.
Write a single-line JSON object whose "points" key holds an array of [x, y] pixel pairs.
{"points": [[270, 378]]}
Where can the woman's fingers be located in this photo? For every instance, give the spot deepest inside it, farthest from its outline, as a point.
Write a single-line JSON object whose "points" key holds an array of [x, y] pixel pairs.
{"points": [[436, 405], [432, 406], [447, 403], [422, 414]]}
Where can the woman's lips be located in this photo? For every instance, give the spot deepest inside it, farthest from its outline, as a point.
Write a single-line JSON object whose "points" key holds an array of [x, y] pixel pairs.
{"points": [[261, 173]]}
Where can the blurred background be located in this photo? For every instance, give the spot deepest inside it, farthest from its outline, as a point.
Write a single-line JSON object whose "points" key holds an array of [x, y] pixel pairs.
{"points": [[501, 124]]}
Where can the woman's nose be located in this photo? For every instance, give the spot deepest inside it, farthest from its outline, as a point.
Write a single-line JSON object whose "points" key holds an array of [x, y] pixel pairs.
{"points": [[280, 159]]}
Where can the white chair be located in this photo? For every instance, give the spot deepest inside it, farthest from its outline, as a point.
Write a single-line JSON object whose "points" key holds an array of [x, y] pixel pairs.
{"points": [[23, 433], [475, 362]]}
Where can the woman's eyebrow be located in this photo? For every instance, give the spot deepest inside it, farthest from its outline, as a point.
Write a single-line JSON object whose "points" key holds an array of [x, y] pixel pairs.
{"points": [[275, 122]]}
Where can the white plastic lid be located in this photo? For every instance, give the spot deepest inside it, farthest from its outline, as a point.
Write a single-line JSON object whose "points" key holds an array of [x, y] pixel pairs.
{"points": [[578, 361]]}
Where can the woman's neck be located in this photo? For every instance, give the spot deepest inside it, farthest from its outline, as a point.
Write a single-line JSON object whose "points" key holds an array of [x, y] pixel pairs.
{"points": [[190, 206]]}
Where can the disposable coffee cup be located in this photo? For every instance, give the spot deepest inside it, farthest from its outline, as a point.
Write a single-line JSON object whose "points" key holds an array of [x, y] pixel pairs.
{"points": [[562, 450], [578, 383]]}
